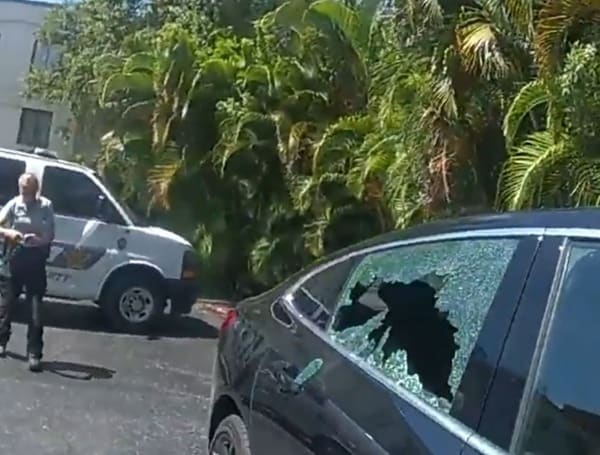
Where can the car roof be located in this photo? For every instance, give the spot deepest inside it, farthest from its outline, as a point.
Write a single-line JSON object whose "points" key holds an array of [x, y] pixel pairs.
{"points": [[577, 218], [570, 218], [48, 160], [588, 218]]}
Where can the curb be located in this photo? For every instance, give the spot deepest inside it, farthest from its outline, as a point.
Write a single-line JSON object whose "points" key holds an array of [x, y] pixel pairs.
{"points": [[216, 307], [218, 310]]}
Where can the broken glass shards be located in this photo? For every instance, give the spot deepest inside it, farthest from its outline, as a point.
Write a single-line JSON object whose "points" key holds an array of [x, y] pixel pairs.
{"points": [[415, 312]]}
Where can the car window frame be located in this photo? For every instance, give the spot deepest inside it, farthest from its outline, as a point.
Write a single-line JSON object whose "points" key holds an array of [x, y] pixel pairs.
{"points": [[499, 316], [123, 221], [446, 421], [545, 331], [330, 311], [533, 313]]}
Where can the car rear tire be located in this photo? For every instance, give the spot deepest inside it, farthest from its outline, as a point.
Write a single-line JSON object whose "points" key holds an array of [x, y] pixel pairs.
{"points": [[230, 438], [134, 302]]}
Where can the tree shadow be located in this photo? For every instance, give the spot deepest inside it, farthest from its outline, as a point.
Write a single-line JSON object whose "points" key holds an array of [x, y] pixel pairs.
{"points": [[88, 317], [71, 370]]}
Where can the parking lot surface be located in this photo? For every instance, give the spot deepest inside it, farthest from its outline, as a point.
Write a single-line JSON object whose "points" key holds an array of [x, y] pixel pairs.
{"points": [[106, 393]]}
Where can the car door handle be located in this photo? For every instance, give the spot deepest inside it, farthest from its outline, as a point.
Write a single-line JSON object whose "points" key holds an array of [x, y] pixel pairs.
{"points": [[284, 374], [290, 380]]}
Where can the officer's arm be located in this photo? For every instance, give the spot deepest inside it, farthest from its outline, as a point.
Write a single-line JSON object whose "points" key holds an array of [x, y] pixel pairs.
{"points": [[6, 218]]}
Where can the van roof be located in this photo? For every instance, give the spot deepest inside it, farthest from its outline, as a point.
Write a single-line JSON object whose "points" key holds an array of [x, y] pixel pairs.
{"points": [[49, 160], [41, 3]]}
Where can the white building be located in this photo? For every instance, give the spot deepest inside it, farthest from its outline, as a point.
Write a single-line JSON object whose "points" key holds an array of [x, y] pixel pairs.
{"points": [[25, 124]]}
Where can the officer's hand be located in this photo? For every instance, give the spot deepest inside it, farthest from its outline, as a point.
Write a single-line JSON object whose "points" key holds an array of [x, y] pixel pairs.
{"points": [[13, 236]]}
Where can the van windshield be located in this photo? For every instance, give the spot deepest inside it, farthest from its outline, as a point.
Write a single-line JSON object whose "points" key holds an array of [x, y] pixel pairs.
{"points": [[136, 218]]}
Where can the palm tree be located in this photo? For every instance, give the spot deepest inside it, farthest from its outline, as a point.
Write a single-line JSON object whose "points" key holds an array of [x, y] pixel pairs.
{"points": [[153, 91], [557, 164], [550, 126]]}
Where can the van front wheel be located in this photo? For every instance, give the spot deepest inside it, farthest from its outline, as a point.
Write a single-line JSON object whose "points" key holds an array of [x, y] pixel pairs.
{"points": [[133, 302]]}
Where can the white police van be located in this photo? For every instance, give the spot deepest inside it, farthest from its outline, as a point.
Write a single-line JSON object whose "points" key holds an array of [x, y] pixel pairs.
{"points": [[102, 252]]}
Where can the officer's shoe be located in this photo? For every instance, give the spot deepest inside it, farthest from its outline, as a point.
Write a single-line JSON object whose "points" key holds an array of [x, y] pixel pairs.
{"points": [[2, 350], [34, 364]]}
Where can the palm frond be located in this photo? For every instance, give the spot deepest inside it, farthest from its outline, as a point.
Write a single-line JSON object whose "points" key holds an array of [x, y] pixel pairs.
{"points": [[120, 82], [556, 18], [521, 12], [161, 177], [140, 62], [479, 44], [526, 167], [531, 95], [585, 174], [338, 139], [444, 98]]}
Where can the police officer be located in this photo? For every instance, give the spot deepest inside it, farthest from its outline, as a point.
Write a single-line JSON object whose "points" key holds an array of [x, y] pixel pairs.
{"points": [[26, 224]]}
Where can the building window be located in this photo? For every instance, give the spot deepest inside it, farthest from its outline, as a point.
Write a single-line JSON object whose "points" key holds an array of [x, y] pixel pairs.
{"points": [[34, 128], [45, 56]]}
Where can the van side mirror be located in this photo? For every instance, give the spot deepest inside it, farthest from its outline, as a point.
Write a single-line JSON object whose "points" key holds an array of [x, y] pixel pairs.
{"points": [[100, 209]]}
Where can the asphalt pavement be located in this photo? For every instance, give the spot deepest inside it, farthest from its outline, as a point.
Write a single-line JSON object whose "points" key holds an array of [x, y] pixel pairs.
{"points": [[103, 393]]}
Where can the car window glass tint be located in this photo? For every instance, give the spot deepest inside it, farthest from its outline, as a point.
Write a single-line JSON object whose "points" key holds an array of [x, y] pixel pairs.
{"points": [[72, 193], [563, 414], [10, 170], [415, 312], [317, 296], [311, 307]]}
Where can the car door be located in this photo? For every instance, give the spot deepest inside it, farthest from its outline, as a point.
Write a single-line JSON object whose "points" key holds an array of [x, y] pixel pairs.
{"points": [[88, 230], [283, 420], [545, 399], [350, 381]]}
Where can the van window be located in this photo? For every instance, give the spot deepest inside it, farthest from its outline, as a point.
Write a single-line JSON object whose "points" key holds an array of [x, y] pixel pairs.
{"points": [[10, 170], [137, 218], [74, 194]]}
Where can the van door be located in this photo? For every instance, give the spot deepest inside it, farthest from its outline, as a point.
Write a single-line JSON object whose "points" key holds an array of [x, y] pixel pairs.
{"points": [[91, 235]]}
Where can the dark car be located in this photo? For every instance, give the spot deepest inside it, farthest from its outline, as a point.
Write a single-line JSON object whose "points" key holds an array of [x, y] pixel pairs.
{"points": [[476, 336]]}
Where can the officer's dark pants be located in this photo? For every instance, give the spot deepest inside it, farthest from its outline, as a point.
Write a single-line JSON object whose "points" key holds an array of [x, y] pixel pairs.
{"points": [[28, 272]]}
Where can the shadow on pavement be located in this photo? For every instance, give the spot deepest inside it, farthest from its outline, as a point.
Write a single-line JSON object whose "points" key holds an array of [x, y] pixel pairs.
{"points": [[78, 371], [88, 317], [71, 370]]}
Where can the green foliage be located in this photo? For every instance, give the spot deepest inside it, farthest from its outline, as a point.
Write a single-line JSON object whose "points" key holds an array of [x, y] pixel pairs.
{"points": [[560, 163], [273, 132]]}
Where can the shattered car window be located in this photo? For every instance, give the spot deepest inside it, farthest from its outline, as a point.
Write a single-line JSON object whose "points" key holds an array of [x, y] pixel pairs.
{"points": [[415, 312]]}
